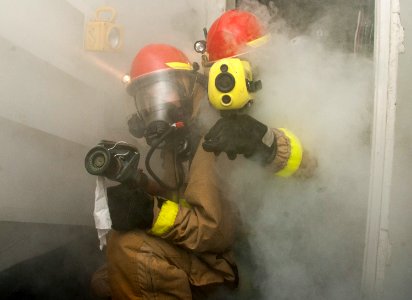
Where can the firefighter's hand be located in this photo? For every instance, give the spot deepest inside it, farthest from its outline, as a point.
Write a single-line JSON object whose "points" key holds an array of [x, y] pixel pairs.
{"points": [[129, 207], [240, 134]]}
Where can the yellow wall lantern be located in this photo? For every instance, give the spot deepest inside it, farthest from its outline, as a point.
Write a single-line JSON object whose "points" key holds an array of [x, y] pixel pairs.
{"points": [[102, 34]]}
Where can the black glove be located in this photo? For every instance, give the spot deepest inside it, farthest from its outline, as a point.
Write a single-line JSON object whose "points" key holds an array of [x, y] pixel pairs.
{"points": [[240, 134], [129, 207]]}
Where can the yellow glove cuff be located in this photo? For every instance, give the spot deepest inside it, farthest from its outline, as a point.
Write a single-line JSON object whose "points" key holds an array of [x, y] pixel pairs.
{"points": [[295, 157]]}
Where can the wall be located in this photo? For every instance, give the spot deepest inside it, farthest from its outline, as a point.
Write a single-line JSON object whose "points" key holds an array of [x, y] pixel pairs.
{"points": [[398, 274], [57, 100]]}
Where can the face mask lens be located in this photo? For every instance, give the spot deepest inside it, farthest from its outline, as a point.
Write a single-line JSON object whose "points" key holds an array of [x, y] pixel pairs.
{"points": [[153, 101]]}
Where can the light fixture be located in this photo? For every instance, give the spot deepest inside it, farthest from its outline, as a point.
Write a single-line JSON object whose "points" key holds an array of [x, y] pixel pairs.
{"points": [[126, 79], [101, 33], [200, 46]]}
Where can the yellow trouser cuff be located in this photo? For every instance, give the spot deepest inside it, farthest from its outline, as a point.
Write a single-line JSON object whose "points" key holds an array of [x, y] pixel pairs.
{"points": [[295, 157], [166, 218]]}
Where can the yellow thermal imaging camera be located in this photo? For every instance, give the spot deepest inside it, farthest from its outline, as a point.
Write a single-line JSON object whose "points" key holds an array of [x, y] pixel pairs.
{"points": [[231, 85]]}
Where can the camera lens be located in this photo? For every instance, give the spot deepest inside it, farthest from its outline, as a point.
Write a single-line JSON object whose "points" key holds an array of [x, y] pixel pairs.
{"points": [[226, 99], [224, 68], [225, 82]]}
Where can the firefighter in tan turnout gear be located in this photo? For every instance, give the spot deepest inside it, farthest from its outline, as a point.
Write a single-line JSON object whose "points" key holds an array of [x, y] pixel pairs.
{"points": [[177, 244], [232, 89]]}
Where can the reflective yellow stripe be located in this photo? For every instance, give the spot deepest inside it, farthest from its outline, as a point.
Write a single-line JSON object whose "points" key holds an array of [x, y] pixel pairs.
{"points": [[166, 218], [295, 157], [259, 41], [179, 65]]}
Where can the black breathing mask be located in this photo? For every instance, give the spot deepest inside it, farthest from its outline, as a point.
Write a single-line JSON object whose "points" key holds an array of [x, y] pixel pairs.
{"points": [[162, 119], [164, 112]]}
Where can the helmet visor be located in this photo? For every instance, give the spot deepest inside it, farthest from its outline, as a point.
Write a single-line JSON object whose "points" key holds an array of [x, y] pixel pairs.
{"points": [[166, 96]]}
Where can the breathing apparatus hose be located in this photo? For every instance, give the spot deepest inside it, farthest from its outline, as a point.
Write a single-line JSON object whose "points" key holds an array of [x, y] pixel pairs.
{"points": [[177, 163]]}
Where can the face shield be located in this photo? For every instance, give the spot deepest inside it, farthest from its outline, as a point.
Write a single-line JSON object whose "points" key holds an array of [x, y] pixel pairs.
{"points": [[161, 99], [165, 98]]}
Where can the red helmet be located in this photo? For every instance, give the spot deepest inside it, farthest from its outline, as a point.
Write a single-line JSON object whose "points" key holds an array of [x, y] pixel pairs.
{"points": [[164, 84], [152, 60], [232, 33], [156, 57]]}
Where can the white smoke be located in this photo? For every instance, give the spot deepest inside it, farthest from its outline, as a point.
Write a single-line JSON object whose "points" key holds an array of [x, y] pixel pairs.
{"points": [[307, 235]]}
